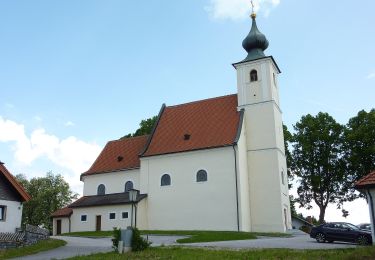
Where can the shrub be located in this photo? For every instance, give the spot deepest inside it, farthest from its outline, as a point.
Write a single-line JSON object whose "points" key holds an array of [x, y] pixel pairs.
{"points": [[138, 242], [116, 238]]}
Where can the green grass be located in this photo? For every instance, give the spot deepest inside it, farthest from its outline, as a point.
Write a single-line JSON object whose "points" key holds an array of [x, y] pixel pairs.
{"points": [[41, 246], [211, 236], [195, 236], [269, 254]]}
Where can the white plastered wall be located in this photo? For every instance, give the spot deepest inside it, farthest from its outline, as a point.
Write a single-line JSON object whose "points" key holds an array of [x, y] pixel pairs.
{"points": [[13, 216], [113, 181], [64, 225], [106, 223], [265, 146], [187, 204]]}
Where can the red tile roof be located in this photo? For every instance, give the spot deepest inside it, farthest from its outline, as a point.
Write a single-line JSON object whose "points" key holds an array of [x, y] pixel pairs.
{"points": [[119, 155], [209, 123], [64, 212], [16, 185], [368, 180]]}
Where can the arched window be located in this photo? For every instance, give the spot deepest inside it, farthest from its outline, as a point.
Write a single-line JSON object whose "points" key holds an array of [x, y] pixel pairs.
{"points": [[128, 186], [282, 177], [165, 180], [201, 176], [101, 189], [253, 75]]}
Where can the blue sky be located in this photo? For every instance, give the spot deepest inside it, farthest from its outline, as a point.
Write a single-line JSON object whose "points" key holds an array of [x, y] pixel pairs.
{"points": [[75, 74]]}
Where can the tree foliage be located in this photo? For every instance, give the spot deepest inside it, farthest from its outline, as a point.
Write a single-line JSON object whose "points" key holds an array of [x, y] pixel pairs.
{"points": [[47, 195], [318, 162], [145, 127], [359, 146], [288, 139]]}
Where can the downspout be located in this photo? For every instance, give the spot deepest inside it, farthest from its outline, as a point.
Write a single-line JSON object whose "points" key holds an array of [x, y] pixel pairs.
{"points": [[372, 214], [235, 172], [70, 224]]}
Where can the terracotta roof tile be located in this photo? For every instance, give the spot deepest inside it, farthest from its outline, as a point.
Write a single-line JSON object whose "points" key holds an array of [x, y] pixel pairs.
{"points": [[119, 155], [207, 123], [16, 185], [368, 180], [64, 212]]}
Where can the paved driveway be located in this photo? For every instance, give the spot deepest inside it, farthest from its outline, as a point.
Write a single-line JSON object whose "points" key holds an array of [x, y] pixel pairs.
{"points": [[298, 241], [75, 246]]}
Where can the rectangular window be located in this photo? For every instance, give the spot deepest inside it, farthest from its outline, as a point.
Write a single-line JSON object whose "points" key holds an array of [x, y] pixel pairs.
{"points": [[112, 215], [125, 214], [2, 213], [83, 218]]}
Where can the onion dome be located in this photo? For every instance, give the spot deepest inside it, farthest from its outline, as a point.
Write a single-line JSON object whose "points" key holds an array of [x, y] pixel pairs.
{"points": [[255, 42]]}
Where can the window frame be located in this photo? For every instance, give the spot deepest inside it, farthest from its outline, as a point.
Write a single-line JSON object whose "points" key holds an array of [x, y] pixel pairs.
{"points": [[196, 175], [3, 213], [252, 73], [97, 189], [84, 215], [127, 183], [127, 215], [110, 214], [170, 180]]}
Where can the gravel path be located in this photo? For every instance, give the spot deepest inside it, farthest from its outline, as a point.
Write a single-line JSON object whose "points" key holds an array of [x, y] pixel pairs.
{"points": [[75, 246]]}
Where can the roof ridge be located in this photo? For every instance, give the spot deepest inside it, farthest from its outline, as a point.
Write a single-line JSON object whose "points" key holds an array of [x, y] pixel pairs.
{"points": [[127, 138], [202, 100]]}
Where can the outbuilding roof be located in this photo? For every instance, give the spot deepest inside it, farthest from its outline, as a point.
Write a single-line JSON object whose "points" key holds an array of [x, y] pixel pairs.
{"points": [[103, 200], [119, 155], [203, 124], [14, 183], [366, 181], [64, 212]]}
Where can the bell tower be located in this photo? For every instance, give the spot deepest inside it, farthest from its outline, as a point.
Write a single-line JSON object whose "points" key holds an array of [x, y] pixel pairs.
{"points": [[258, 95]]}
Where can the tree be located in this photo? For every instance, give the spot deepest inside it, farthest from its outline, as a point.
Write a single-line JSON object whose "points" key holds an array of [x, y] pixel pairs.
{"points": [[288, 138], [47, 195], [360, 146], [318, 162], [145, 127]]}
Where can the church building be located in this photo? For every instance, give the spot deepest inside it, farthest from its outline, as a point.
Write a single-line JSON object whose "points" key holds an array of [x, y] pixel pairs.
{"points": [[213, 164]]}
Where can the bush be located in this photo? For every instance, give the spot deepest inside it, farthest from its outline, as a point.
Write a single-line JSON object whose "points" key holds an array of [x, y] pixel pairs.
{"points": [[116, 238], [138, 242]]}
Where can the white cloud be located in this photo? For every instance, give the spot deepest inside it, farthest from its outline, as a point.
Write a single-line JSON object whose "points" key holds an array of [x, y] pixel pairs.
{"points": [[69, 123], [238, 9], [70, 153], [371, 75]]}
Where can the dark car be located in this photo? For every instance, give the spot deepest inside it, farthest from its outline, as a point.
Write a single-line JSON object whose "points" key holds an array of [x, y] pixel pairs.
{"points": [[365, 226], [341, 231]]}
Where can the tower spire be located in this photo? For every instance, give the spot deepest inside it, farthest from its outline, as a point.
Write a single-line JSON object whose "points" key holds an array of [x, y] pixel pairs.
{"points": [[255, 42]]}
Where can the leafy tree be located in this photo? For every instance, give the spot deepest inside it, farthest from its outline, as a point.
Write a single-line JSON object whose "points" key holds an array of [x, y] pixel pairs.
{"points": [[288, 138], [360, 146], [318, 162], [47, 195], [145, 127]]}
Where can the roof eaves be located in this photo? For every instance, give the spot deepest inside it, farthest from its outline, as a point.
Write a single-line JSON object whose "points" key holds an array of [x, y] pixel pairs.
{"points": [[153, 130], [244, 61], [19, 188], [103, 172], [190, 150]]}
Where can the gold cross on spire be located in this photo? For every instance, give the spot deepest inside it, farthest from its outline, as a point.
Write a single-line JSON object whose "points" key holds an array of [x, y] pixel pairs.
{"points": [[253, 14]]}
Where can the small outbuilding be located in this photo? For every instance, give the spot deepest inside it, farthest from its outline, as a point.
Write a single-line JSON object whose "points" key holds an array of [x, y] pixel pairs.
{"points": [[12, 197], [367, 186]]}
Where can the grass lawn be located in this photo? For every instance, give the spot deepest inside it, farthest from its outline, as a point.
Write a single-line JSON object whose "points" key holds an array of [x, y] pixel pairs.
{"points": [[196, 236], [192, 253], [41, 246], [210, 236]]}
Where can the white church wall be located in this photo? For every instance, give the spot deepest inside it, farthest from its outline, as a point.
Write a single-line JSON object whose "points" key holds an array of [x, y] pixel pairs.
{"points": [[187, 204], [243, 180], [114, 181], [13, 216]]}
